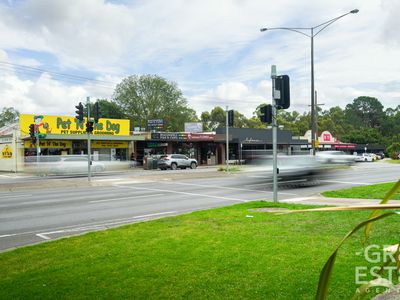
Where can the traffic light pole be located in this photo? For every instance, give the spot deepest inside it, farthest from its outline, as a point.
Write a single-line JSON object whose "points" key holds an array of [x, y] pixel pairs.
{"points": [[274, 137], [227, 140], [37, 146], [88, 141]]}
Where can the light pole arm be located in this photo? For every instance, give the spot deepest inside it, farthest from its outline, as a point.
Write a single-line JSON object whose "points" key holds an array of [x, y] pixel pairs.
{"points": [[327, 23], [298, 30]]}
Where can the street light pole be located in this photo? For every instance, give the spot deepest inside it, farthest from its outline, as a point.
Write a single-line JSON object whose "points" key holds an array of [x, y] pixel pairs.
{"points": [[313, 133], [311, 35]]}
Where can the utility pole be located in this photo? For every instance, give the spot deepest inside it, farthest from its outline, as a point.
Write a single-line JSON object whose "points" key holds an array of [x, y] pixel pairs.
{"points": [[37, 145], [316, 120], [227, 140], [88, 140], [274, 136]]}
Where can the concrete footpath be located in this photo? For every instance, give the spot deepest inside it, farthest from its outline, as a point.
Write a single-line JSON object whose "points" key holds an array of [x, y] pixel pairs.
{"points": [[321, 200]]}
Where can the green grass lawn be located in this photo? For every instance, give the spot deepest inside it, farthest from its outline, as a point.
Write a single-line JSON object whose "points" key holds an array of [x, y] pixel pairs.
{"points": [[373, 191], [214, 254], [393, 161]]}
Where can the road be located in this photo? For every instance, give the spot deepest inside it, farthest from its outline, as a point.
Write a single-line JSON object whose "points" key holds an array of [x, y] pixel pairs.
{"points": [[35, 215]]}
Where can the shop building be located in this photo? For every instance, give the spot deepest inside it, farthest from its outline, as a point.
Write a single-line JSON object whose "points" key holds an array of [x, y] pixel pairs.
{"points": [[326, 141], [64, 135], [247, 144]]}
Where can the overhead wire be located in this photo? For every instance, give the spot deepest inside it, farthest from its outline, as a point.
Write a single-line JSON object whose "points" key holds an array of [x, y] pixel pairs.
{"points": [[64, 77]]}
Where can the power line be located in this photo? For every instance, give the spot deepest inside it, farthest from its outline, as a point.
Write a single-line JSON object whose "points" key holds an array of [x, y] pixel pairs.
{"points": [[78, 78]]}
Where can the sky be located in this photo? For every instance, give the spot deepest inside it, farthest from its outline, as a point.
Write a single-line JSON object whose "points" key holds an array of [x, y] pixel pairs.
{"points": [[53, 54]]}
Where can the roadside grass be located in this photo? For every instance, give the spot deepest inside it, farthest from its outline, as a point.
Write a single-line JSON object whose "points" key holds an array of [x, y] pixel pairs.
{"points": [[222, 168], [393, 161], [221, 253], [373, 191]]}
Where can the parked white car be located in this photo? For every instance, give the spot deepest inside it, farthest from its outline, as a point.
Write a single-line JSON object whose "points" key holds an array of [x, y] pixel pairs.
{"points": [[335, 157], [364, 157]]}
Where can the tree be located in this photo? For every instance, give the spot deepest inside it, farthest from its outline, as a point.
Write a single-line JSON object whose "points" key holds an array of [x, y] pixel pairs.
{"points": [[108, 109], [8, 115], [364, 112], [146, 97], [216, 118]]}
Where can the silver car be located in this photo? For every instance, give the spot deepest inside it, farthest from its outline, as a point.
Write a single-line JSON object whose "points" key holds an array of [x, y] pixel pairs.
{"points": [[334, 157], [175, 161]]}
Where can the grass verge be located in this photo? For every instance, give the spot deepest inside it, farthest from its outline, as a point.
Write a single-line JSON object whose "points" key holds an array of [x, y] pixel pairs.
{"points": [[224, 253], [373, 191], [393, 161], [231, 169]]}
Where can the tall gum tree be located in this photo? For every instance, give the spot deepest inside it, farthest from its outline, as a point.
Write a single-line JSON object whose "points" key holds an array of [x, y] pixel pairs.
{"points": [[146, 97]]}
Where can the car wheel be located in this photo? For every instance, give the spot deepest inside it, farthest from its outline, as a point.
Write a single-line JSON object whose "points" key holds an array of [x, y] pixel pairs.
{"points": [[174, 166], [193, 165]]}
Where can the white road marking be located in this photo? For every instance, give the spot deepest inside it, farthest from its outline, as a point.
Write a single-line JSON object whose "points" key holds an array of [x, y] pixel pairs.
{"points": [[124, 198], [6, 235], [93, 224], [218, 187], [16, 196], [298, 199], [347, 182], [45, 235], [184, 193]]}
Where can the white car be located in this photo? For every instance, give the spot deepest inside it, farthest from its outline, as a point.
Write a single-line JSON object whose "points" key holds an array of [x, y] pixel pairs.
{"points": [[334, 157], [364, 157], [75, 164]]}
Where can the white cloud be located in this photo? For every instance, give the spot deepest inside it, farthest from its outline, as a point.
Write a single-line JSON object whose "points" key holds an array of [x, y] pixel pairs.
{"points": [[213, 50]]}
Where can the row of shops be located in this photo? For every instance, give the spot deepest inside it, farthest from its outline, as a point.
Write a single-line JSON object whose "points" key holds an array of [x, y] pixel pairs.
{"points": [[112, 140]]}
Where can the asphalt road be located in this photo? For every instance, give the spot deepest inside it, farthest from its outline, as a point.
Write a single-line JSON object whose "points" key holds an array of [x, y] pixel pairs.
{"points": [[35, 215]]}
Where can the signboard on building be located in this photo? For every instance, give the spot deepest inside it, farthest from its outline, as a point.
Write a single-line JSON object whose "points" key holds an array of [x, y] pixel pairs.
{"points": [[50, 144], [200, 136], [169, 136], [155, 124], [6, 152], [194, 127], [69, 125], [109, 144]]}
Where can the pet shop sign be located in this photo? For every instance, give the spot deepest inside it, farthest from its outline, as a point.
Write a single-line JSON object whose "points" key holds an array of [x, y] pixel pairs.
{"points": [[46, 124]]}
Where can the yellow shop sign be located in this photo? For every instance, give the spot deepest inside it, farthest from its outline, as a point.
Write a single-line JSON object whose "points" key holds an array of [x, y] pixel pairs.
{"points": [[109, 144], [6, 152], [51, 144], [69, 125]]}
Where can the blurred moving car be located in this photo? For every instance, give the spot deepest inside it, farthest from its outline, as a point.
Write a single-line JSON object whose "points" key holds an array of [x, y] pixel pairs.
{"points": [[334, 157], [75, 164], [175, 161], [301, 169]]}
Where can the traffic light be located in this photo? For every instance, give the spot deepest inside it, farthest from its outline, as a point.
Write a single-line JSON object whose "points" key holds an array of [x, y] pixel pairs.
{"points": [[89, 126], [266, 114], [283, 97], [32, 130], [79, 112], [96, 112], [230, 118]]}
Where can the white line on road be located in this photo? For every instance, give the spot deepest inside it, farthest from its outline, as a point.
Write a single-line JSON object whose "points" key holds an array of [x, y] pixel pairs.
{"points": [[6, 235], [45, 235], [182, 193], [346, 182], [111, 221], [228, 188], [124, 198], [15, 196], [298, 199]]}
